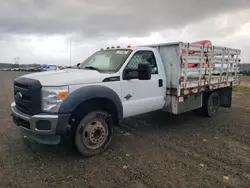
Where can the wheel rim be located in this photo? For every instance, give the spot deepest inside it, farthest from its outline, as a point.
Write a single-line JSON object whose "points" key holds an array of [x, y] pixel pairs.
{"points": [[94, 134], [213, 103]]}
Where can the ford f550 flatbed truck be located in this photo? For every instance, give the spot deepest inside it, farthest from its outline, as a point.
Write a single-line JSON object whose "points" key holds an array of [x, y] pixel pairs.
{"points": [[116, 83]]}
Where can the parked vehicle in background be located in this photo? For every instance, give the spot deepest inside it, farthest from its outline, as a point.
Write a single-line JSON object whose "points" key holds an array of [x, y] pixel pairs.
{"points": [[246, 72], [40, 69], [51, 68], [16, 69], [117, 83]]}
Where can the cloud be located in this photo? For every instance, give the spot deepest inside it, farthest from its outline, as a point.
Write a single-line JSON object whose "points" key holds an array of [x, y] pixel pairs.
{"points": [[39, 31], [92, 18]]}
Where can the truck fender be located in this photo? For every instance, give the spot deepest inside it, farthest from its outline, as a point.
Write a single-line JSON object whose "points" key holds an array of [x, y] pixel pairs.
{"points": [[90, 92]]}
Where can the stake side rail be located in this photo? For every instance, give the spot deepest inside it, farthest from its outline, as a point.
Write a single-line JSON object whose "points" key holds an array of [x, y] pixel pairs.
{"points": [[207, 68]]}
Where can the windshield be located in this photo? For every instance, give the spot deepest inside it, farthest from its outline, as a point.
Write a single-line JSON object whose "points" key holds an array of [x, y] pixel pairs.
{"points": [[106, 60]]}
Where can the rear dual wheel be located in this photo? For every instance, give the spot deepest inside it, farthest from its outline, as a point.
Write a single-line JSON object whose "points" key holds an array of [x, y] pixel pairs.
{"points": [[211, 103]]}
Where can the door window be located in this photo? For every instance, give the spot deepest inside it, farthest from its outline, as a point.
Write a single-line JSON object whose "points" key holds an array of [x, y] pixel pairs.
{"points": [[143, 56]]}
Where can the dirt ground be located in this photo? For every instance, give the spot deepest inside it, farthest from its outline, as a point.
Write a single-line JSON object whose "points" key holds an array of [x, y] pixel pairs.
{"points": [[152, 150]]}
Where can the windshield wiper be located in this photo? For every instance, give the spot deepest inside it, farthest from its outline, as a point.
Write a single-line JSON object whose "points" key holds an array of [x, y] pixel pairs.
{"points": [[91, 68]]}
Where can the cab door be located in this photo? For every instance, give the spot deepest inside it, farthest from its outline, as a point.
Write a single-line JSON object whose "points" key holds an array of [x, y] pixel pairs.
{"points": [[142, 96]]}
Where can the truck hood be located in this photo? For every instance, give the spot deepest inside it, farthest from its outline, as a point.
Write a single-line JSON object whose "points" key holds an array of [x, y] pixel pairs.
{"points": [[68, 77]]}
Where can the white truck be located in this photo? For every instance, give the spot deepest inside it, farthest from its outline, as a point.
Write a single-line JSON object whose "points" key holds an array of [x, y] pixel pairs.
{"points": [[50, 68], [116, 83]]}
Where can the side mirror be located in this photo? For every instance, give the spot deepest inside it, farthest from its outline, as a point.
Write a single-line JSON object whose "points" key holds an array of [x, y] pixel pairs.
{"points": [[144, 71], [78, 64]]}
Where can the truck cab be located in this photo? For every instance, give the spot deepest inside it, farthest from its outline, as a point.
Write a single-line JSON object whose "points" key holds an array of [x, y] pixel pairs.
{"points": [[110, 85]]}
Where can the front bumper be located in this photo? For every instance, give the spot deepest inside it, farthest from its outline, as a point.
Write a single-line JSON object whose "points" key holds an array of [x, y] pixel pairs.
{"points": [[30, 125]]}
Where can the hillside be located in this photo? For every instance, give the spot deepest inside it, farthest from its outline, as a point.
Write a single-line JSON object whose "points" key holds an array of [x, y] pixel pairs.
{"points": [[10, 65], [7, 65]]}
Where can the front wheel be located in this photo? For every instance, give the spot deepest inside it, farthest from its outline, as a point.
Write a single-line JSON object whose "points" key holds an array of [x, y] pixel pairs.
{"points": [[94, 133], [211, 103]]}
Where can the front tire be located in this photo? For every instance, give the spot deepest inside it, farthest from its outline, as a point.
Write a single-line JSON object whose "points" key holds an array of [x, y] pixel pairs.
{"points": [[94, 133]]}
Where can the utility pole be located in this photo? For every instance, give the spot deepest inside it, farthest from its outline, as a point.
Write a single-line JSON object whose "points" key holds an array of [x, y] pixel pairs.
{"points": [[70, 44]]}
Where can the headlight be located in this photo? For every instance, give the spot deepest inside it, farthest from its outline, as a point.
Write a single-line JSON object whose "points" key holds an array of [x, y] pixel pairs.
{"points": [[52, 97]]}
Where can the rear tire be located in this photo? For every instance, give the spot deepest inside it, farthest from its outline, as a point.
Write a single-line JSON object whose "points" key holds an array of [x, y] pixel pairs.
{"points": [[94, 133], [211, 103]]}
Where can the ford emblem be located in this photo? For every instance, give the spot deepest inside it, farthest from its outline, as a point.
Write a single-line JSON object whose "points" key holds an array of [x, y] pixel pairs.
{"points": [[19, 96]]}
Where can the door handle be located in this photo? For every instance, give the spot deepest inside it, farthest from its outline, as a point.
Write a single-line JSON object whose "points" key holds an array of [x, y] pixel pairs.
{"points": [[160, 82]]}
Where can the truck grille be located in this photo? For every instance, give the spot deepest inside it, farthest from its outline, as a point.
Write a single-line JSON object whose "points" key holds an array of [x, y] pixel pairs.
{"points": [[27, 94]]}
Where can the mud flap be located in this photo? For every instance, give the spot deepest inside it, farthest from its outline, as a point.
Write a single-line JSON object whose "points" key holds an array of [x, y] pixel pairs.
{"points": [[226, 97]]}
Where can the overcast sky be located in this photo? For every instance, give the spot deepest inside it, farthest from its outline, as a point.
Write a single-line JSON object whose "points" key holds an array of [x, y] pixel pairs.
{"points": [[39, 31]]}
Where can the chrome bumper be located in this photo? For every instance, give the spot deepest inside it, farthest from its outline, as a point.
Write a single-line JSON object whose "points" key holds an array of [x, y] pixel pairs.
{"points": [[28, 125], [32, 120]]}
